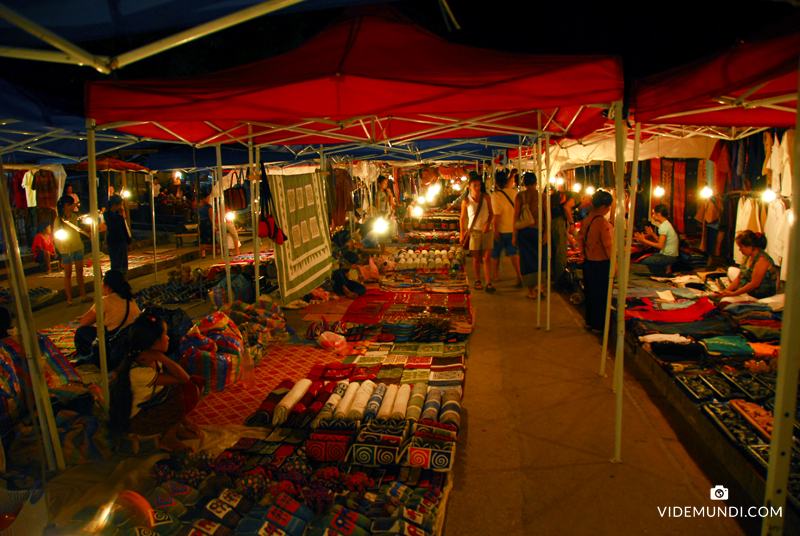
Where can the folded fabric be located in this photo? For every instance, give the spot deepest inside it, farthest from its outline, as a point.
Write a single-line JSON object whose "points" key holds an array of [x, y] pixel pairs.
{"points": [[388, 402], [676, 351], [319, 401], [451, 408], [374, 404], [336, 372], [289, 401], [761, 333], [702, 308], [162, 501], [739, 308], [356, 411], [401, 402], [288, 503], [416, 400], [727, 345], [389, 374], [352, 515], [333, 402], [765, 350], [364, 373], [433, 403], [412, 376], [339, 524], [391, 525], [347, 400], [263, 416], [776, 302], [664, 337], [418, 519], [708, 327]]}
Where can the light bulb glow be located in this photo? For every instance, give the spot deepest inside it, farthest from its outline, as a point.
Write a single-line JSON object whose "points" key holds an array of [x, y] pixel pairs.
{"points": [[61, 234], [463, 178], [659, 191], [552, 180], [421, 200], [769, 196], [456, 187], [559, 181], [177, 175], [229, 216], [576, 187], [706, 192], [435, 189], [590, 190], [430, 197], [126, 194], [88, 220], [416, 211], [381, 225]]}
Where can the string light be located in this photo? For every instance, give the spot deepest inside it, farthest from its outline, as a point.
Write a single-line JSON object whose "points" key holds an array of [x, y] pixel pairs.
{"points": [[590, 190], [61, 234], [706, 192], [88, 220], [559, 181], [456, 187], [229, 216], [421, 200], [576, 187], [416, 211], [125, 193], [769, 196], [381, 225], [659, 191]]}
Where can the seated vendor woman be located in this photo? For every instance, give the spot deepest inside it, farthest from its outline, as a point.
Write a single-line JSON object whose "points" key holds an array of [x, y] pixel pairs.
{"points": [[758, 276], [119, 310], [666, 241], [151, 393]]}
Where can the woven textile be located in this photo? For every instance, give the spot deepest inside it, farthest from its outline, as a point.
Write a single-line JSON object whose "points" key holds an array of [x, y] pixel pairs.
{"points": [[401, 402], [416, 401], [304, 260], [388, 402]]}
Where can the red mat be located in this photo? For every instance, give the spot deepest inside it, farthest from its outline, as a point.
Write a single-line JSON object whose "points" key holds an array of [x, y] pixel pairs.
{"points": [[281, 362]]}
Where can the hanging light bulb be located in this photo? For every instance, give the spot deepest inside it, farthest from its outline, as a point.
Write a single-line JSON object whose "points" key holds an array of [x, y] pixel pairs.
{"points": [[87, 220], [463, 178], [229, 216], [456, 187], [576, 187], [552, 180], [61, 234], [659, 191], [590, 190], [381, 225], [125, 193], [559, 181], [706, 192], [769, 196], [177, 175], [416, 211], [421, 200]]}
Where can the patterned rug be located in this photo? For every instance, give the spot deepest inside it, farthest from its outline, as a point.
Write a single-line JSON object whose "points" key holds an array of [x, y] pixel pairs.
{"points": [[134, 261], [63, 336], [332, 310], [281, 362]]}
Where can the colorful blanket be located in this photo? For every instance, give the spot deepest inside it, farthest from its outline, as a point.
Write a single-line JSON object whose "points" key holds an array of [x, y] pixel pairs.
{"points": [[134, 261], [63, 336]]}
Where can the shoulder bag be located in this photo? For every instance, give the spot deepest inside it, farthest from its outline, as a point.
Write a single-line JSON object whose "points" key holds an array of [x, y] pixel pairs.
{"points": [[465, 238], [235, 196], [525, 218]]}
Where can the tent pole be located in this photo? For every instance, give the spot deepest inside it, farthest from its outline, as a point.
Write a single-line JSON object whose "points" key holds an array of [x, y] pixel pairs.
{"points": [[253, 208], [97, 274], [538, 223], [47, 423], [624, 271], [789, 363], [213, 218], [153, 209], [353, 197], [620, 129], [223, 225], [255, 195], [549, 218]]}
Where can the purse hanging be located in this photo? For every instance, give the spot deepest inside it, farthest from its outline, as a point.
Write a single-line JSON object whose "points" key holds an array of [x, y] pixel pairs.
{"points": [[268, 225], [235, 196]]}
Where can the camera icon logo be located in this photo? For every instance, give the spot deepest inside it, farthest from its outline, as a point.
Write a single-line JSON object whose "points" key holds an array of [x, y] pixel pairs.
{"points": [[719, 493]]}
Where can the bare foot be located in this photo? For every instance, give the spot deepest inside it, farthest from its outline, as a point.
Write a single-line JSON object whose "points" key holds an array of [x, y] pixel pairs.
{"points": [[349, 293], [189, 430]]}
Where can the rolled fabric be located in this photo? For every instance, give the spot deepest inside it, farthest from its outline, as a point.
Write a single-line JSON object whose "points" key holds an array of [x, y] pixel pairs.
{"points": [[416, 401], [401, 402], [347, 400], [433, 403], [300, 408], [451, 408], [316, 406], [289, 401], [356, 412], [333, 402], [388, 402], [263, 416], [374, 404]]}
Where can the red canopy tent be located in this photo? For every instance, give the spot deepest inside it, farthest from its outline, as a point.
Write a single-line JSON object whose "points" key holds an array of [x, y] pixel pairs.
{"points": [[109, 164], [372, 76], [749, 85]]}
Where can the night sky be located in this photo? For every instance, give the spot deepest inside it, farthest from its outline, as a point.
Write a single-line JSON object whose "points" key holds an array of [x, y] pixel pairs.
{"points": [[650, 37]]}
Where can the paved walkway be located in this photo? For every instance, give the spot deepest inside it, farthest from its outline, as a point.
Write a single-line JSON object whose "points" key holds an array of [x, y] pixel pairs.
{"points": [[538, 435]]}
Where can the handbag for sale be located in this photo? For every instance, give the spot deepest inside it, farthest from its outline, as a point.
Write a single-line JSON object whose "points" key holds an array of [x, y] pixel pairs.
{"points": [[268, 225], [235, 196]]}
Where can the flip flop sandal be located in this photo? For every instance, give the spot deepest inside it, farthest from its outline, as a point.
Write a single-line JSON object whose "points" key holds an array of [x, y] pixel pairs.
{"points": [[478, 285], [490, 288]]}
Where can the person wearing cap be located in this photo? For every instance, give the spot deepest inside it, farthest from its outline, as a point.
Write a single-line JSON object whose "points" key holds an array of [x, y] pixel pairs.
{"points": [[118, 238]]}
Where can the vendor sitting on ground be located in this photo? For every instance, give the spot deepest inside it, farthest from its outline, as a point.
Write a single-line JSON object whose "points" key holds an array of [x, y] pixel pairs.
{"points": [[758, 275], [43, 250], [151, 393], [119, 310], [666, 241], [344, 286]]}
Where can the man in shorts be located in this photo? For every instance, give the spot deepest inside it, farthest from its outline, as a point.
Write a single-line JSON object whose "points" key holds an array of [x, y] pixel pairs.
{"points": [[503, 205]]}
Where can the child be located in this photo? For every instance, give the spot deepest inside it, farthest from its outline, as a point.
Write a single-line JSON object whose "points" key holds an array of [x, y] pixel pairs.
{"points": [[71, 247], [43, 250], [117, 237], [152, 393]]}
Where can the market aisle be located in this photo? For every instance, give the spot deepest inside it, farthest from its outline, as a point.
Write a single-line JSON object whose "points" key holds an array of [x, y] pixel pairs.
{"points": [[538, 434]]}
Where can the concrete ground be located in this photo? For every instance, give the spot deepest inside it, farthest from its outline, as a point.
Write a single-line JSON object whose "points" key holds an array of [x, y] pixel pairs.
{"points": [[537, 433], [537, 436]]}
